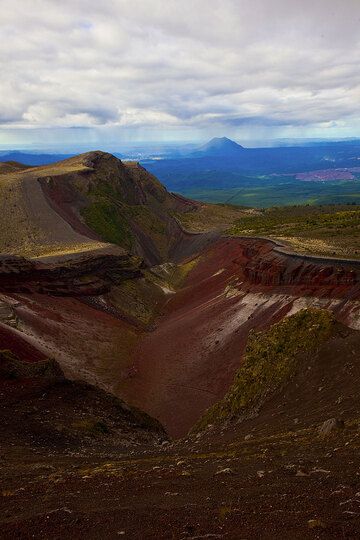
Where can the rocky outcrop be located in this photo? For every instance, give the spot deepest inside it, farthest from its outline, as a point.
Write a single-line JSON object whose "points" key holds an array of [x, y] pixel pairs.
{"points": [[83, 275], [267, 265], [39, 407]]}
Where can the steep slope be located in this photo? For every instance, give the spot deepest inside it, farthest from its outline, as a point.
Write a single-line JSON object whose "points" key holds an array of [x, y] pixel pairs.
{"points": [[170, 340], [29, 227], [65, 415], [271, 358], [188, 362], [77, 274], [120, 203], [167, 339]]}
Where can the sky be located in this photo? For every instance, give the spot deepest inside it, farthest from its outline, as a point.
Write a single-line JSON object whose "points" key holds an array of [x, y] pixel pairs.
{"points": [[82, 71]]}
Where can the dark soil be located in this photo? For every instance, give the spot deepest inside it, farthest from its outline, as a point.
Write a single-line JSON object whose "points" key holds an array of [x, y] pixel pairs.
{"points": [[269, 477]]}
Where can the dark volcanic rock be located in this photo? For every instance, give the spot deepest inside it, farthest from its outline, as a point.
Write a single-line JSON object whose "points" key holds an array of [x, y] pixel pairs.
{"points": [[39, 407], [90, 274], [330, 426]]}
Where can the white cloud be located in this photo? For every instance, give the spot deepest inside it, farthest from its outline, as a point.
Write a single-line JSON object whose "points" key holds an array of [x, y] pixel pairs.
{"points": [[180, 65]]}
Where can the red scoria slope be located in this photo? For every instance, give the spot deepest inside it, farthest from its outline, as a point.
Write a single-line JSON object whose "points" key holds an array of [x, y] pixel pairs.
{"points": [[188, 360], [72, 466]]}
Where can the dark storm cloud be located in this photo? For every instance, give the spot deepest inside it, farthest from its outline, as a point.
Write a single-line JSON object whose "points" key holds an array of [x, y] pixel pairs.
{"points": [[190, 64]]}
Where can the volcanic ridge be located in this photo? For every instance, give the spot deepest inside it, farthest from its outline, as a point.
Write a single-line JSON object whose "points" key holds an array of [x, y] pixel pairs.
{"points": [[201, 384]]}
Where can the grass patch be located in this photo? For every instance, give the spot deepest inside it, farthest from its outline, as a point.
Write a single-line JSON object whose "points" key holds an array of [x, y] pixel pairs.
{"points": [[112, 219], [296, 219], [11, 367], [105, 218], [212, 217]]}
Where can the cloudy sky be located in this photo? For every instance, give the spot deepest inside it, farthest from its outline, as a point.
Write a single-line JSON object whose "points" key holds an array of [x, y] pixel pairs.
{"points": [[178, 70]]}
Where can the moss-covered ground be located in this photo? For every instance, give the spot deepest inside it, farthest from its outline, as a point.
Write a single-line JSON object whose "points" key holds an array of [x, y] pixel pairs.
{"points": [[270, 359]]}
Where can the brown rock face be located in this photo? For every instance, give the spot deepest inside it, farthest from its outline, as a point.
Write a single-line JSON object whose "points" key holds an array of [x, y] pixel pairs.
{"points": [[267, 265], [91, 274]]}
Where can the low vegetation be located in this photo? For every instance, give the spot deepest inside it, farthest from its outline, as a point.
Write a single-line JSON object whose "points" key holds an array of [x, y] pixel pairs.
{"points": [[114, 219], [266, 191], [105, 218], [213, 217], [271, 358], [332, 230]]}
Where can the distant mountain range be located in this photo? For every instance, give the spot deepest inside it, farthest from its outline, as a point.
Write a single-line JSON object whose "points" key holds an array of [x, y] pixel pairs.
{"points": [[305, 156], [32, 159]]}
